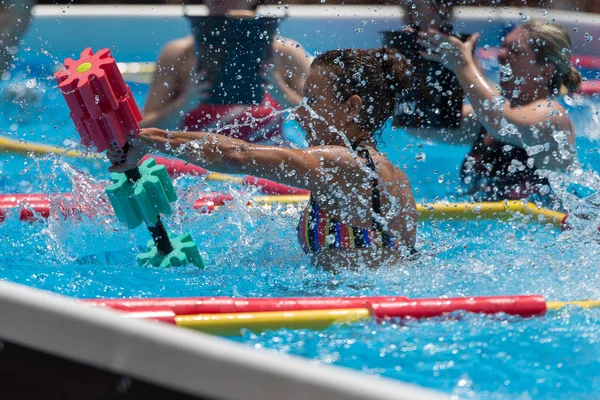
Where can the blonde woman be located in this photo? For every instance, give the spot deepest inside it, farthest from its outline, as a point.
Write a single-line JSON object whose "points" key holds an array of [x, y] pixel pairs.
{"points": [[519, 130]]}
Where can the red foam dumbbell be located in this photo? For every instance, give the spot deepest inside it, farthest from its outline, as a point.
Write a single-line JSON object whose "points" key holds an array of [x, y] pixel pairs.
{"points": [[102, 106]]}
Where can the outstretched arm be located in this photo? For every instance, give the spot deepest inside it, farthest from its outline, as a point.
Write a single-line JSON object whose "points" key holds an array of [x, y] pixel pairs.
{"points": [[310, 169]]}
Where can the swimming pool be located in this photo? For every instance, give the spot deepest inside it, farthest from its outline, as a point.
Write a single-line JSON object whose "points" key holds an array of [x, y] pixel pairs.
{"points": [[469, 355]]}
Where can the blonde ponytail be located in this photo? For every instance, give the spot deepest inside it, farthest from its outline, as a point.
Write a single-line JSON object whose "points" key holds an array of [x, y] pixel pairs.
{"points": [[572, 79]]}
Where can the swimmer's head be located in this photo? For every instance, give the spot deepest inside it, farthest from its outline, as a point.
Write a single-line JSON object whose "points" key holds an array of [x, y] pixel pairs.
{"points": [[426, 14], [552, 45], [351, 91], [537, 54]]}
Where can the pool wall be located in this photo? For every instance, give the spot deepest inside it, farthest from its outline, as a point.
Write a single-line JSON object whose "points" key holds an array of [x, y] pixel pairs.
{"points": [[57, 331]]}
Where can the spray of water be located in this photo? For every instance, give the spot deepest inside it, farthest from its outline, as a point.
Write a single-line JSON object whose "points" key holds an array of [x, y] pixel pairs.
{"points": [[81, 250]]}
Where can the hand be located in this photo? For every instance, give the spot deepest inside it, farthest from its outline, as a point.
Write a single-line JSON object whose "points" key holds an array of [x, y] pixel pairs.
{"points": [[448, 50], [128, 157], [196, 91]]}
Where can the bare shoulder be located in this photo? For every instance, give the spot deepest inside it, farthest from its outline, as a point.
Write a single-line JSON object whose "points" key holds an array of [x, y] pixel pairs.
{"points": [[177, 51], [332, 156], [289, 47], [348, 166], [389, 171]]}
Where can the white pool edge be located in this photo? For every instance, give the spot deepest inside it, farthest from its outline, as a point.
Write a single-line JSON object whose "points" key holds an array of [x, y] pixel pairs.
{"points": [[312, 11], [176, 358], [138, 33]]}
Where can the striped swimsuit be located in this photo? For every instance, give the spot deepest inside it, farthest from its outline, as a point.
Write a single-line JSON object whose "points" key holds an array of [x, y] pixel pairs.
{"points": [[317, 231]]}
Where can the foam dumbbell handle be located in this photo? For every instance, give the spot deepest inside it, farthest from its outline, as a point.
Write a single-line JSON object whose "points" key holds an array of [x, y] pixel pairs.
{"points": [[161, 238], [133, 175]]}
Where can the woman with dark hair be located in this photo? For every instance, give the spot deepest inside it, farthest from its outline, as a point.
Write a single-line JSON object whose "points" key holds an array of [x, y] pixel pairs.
{"points": [[361, 211], [519, 131]]}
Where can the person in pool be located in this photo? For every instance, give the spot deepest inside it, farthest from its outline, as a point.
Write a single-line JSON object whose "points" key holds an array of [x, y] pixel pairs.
{"points": [[361, 210], [519, 131], [177, 93], [15, 17]]}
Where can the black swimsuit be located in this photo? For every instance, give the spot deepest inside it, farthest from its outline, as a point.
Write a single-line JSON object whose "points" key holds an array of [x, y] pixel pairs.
{"points": [[494, 171]]}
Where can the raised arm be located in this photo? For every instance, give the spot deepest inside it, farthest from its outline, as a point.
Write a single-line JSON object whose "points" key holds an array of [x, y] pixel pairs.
{"points": [[530, 125], [291, 65], [175, 88], [526, 125]]}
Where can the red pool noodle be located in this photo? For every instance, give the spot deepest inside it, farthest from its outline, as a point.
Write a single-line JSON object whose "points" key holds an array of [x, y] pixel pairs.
{"points": [[176, 167], [589, 88], [524, 306], [209, 201], [218, 305], [32, 206], [161, 316], [36, 205]]}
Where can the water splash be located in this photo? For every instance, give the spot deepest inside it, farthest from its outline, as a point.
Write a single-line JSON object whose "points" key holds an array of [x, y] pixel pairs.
{"points": [[77, 221], [83, 251]]}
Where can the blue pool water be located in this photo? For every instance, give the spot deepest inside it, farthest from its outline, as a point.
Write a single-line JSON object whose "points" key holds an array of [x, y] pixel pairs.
{"points": [[255, 253]]}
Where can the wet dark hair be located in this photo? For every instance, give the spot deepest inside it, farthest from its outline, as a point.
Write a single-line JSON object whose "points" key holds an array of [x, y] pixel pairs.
{"points": [[376, 75], [552, 44]]}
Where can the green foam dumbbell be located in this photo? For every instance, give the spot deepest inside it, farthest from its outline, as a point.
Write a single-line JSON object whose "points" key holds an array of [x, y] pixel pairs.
{"points": [[142, 194], [143, 200], [184, 252]]}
